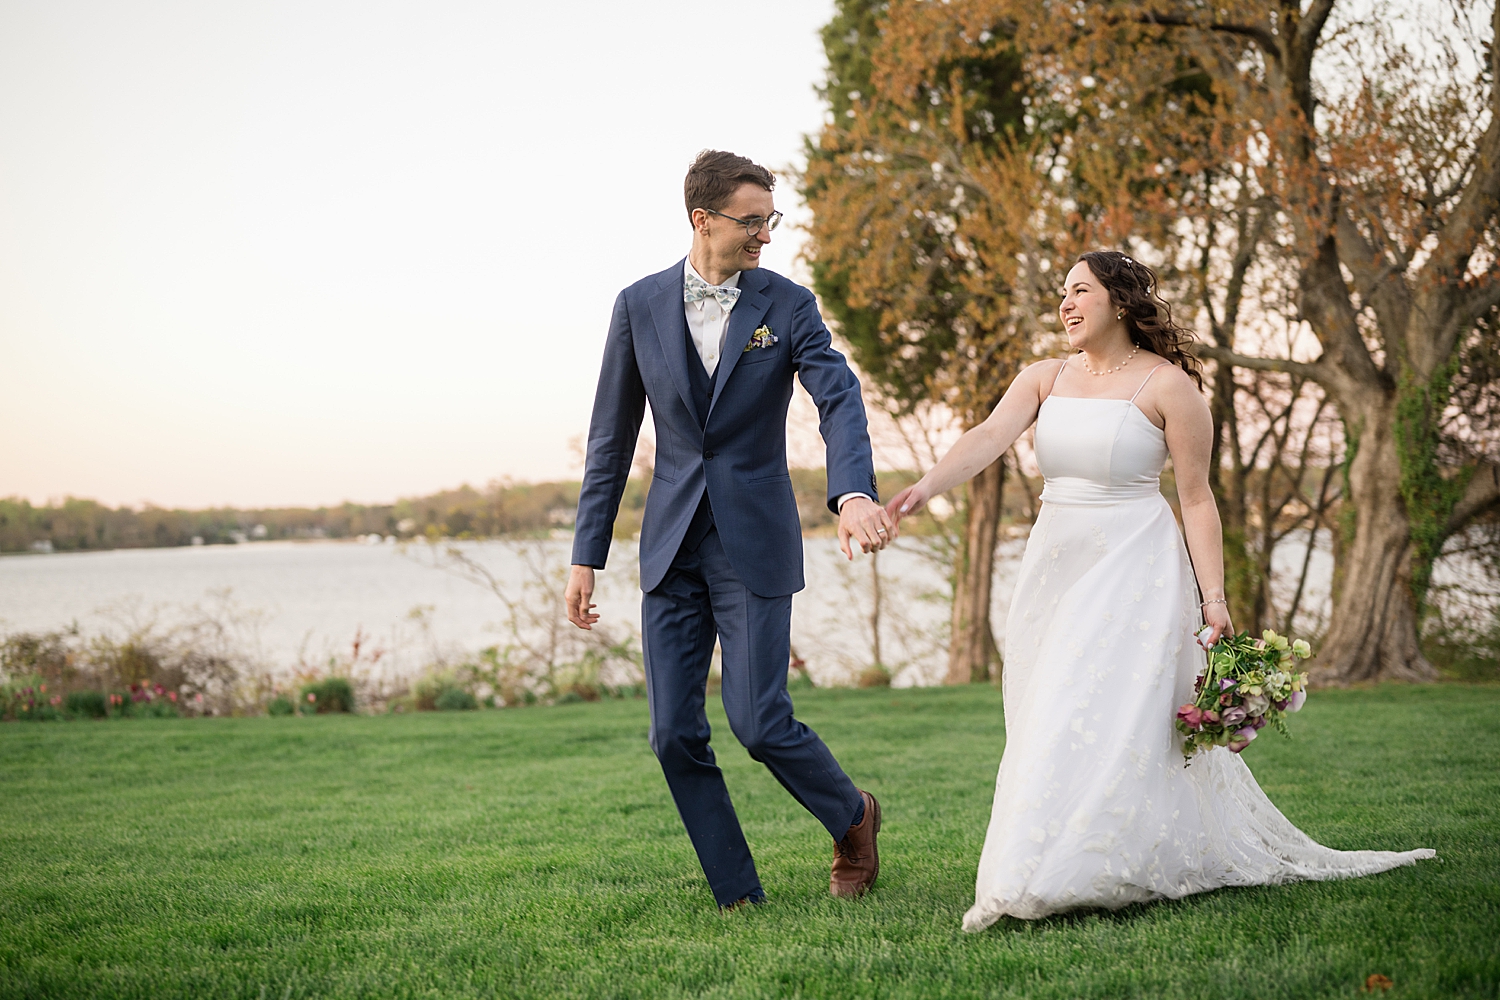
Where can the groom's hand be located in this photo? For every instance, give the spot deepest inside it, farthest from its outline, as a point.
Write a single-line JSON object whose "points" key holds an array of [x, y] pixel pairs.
{"points": [[580, 591], [865, 522]]}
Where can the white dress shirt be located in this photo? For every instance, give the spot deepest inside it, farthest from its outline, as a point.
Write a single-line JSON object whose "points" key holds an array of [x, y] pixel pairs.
{"points": [[707, 322]]}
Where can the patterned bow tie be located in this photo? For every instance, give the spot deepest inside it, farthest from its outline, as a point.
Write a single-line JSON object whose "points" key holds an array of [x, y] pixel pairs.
{"points": [[695, 289]]}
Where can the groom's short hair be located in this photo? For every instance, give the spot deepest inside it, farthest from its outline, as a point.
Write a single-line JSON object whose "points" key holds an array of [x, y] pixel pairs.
{"points": [[716, 175]]}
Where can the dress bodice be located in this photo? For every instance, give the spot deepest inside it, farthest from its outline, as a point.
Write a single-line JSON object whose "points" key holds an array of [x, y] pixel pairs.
{"points": [[1097, 451]]}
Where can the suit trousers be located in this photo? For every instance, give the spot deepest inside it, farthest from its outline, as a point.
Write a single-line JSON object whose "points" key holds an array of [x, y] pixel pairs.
{"points": [[702, 598]]}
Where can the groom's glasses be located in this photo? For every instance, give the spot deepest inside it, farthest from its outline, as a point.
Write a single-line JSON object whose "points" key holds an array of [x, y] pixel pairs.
{"points": [[752, 225]]}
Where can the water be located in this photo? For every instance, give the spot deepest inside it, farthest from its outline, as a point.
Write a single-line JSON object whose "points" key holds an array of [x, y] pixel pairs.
{"points": [[298, 603]]}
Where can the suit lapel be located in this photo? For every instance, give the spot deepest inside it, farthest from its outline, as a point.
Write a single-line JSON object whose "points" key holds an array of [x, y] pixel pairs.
{"points": [[671, 331], [743, 320]]}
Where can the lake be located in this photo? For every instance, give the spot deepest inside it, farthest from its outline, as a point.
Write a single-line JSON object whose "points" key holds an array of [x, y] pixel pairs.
{"points": [[294, 603]]}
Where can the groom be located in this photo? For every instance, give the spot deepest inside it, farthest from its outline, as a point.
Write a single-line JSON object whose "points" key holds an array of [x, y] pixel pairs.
{"points": [[712, 343]]}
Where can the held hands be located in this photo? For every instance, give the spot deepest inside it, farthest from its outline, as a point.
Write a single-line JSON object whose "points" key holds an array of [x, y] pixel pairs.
{"points": [[1216, 624], [908, 501], [866, 522], [578, 595]]}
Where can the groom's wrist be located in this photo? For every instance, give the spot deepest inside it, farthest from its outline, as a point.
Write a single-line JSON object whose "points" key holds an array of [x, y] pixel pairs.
{"points": [[845, 498]]}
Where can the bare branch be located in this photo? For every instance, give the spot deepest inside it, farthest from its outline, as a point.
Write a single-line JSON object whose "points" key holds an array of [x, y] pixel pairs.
{"points": [[1261, 36], [1378, 280], [1479, 299], [1312, 24], [1224, 355], [1482, 494]]}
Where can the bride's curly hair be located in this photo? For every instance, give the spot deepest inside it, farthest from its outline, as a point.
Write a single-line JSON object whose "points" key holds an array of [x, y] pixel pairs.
{"points": [[1148, 317]]}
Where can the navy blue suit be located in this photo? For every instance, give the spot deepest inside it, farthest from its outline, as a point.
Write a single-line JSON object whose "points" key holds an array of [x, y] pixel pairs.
{"points": [[721, 544]]}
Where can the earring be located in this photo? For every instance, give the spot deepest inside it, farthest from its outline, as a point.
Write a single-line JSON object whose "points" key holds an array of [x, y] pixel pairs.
{"points": [[1120, 314]]}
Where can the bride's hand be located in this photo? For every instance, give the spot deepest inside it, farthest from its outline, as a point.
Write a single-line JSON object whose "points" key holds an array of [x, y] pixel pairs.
{"points": [[908, 501], [1216, 620]]}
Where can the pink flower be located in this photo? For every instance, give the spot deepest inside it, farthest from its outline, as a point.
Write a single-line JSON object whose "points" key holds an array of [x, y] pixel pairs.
{"points": [[1191, 714], [311, 697], [1298, 697], [1234, 716], [172, 695], [1211, 716], [1258, 721], [1242, 739]]}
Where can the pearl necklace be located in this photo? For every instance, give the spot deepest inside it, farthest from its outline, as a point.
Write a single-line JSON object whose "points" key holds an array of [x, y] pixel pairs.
{"points": [[1116, 368]]}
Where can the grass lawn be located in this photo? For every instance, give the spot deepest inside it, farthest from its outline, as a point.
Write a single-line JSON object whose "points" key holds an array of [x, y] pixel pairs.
{"points": [[536, 853]]}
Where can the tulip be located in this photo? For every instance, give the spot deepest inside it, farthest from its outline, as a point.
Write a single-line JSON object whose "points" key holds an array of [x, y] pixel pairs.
{"points": [[1295, 704]]}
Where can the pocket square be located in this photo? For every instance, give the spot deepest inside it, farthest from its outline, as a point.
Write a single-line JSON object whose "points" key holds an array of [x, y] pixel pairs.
{"points": [[760, 339]]}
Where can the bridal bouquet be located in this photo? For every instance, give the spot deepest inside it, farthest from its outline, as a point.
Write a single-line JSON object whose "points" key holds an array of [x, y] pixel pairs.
{"points": [[1248, 683]]}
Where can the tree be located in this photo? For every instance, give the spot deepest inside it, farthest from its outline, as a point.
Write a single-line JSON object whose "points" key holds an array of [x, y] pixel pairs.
{"points": [[1352, 162], [918, 268], [1385, 182]]}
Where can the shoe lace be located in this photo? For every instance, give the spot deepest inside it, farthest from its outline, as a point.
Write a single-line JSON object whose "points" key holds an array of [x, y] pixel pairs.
{"points": [[845, 849]]}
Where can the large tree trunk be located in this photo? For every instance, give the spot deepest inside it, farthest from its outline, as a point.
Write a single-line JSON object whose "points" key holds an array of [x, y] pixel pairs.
{"points": [[972, 650], [1374, 630]]}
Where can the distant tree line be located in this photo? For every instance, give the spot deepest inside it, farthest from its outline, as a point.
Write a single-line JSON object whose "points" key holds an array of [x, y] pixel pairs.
{"points": [[499, 510]]}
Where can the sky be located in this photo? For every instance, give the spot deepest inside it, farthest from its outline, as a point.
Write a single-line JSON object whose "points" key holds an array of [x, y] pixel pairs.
{"points": [[297, 253]]}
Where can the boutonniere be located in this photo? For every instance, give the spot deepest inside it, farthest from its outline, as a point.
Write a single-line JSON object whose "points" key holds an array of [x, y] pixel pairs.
{"points": [[761, 338]]}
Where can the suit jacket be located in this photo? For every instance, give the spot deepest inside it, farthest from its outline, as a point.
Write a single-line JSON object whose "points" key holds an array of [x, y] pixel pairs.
{"points": [[737, 450]]}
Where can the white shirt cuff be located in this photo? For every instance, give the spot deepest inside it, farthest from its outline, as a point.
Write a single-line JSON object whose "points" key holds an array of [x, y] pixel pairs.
{"points": [[850, 496]]}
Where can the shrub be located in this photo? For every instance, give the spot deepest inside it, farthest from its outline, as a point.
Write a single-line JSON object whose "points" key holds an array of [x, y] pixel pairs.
{"points": [[156, 708], [87, 704], [281, 705], [332, 694], [1464, 647], [455, 700], [874, 676], [29, 699]]}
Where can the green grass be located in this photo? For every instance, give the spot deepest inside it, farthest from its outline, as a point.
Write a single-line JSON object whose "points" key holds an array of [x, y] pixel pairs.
{"points": [[535, 853]]}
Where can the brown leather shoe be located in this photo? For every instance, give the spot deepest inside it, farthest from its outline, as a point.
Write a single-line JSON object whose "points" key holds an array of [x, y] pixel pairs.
{"points": [[856, 861]]}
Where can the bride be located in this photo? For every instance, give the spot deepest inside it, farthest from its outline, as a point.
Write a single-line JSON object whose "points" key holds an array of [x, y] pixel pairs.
{"points": [[1093, 806]]}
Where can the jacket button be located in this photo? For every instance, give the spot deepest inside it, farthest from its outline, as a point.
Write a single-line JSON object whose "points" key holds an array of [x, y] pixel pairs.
{"points": [[708, 456]]}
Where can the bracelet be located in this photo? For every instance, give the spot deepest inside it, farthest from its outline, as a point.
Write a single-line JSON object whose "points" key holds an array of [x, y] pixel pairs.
{"points": [[1217, 600]]}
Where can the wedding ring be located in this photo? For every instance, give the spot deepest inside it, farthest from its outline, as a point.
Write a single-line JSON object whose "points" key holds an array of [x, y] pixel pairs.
{"points": [[881, 530]]}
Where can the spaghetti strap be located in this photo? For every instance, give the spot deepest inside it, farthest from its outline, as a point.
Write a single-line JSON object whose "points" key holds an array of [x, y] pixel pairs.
{"points": [[1055, 374], [1147, 378]]}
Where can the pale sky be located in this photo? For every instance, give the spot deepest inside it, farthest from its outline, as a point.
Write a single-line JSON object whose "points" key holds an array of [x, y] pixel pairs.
{"points": [[278, 253]]}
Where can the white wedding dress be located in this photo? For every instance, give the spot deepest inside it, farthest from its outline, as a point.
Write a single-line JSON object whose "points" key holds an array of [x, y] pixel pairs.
{"points": [[1093, 806]]}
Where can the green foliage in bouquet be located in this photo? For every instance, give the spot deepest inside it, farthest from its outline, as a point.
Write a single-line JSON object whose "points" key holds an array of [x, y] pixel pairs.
{"points": [[1248, 684]]}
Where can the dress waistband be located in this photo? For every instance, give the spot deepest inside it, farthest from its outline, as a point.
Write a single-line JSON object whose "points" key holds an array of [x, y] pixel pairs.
{"points": [[1071, 491]]}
